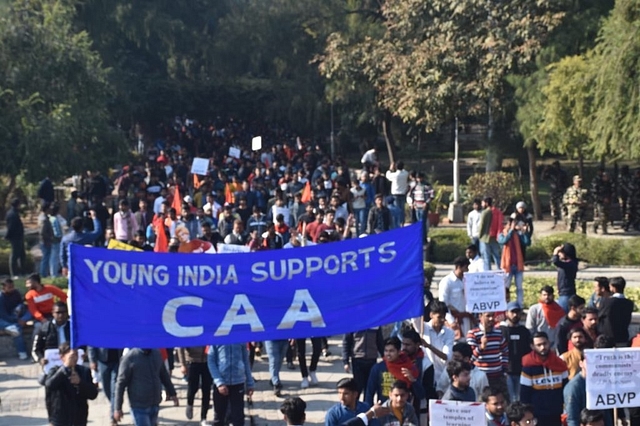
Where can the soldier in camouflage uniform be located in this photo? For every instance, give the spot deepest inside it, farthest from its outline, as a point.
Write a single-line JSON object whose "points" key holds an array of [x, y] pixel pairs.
{"points": [[634, 201], [625, 190], [557, 179], [602, 194], [575, 201]]}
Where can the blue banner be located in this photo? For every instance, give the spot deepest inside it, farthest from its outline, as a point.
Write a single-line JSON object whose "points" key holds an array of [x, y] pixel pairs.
{"points": [[151, 300]]}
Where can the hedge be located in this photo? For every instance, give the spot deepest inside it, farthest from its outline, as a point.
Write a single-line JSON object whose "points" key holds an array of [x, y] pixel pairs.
{"points": [[5, 252], [584, 288], [448, 243]]}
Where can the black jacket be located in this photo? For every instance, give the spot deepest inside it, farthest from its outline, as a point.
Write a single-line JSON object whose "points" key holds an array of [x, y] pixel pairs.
{"points": [[15, 229], [66, 403], [614, 318], [48, 338]]}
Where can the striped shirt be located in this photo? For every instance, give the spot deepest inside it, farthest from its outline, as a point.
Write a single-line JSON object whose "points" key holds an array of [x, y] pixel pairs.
{"points": [[494, 358]]}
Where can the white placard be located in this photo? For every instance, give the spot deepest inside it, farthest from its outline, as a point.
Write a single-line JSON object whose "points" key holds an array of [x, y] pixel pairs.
{"points": [[613, 378], [256, 143], [200, 166], [456, 413], [53, 359], [484, 292], [233, 248], [234, 152]]}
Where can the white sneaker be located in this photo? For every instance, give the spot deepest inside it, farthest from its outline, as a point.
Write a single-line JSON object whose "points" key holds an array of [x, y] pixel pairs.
{"points": [[13, 330], [205, 423], [22, 356], [305, 383], [189, 412], [314, 378]]}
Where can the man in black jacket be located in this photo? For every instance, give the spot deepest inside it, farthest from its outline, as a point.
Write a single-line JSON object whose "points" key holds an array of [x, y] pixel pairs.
{"points": [[615, 313], [15, 236], [379, 219], [68, 388], [53, 333]]}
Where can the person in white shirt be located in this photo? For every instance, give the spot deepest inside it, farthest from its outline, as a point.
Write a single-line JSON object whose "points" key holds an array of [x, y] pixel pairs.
{"points": [[399, 179], [157, 209], [125, 225], [451, 292], [462, 352], [359, 205], [369, 159], [437, 338], [473, 223], [476, 264]]}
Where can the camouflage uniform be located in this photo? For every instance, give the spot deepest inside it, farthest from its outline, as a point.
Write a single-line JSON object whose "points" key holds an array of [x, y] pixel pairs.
{"points": [[634, 201], [575, 202], [602, 193], [557, 179], [625, 191]]}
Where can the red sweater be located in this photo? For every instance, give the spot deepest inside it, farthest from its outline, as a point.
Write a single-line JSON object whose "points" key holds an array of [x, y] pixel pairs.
{"points": [[41, 303]]}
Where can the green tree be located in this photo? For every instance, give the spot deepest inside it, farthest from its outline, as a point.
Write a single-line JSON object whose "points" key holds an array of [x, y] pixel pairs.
{"points": [[53, 94], [616, 119], [440, 59]]}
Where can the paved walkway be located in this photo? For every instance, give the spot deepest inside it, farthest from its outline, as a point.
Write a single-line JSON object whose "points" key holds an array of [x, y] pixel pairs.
{"points": [[23, 398]]}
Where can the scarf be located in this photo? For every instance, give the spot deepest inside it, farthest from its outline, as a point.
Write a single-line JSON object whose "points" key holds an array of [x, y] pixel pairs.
{"points": [[512, 248], [553, 313], [403, 361]]}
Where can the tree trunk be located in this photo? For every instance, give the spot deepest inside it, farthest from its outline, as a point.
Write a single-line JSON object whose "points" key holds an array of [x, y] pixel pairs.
{"points": [[388, 136], [533, 182], [493, 153], [5, 194]]}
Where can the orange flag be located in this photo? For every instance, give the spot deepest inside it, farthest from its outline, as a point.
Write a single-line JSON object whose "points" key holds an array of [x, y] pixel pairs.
{"points": [[196, 181], [306, 193], [228, 195], [177, 200], [162, 245]]}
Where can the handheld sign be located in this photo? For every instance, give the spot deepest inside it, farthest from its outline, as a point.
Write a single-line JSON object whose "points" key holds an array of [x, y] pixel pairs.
{"points": [[234, 152], [485, 292], [256, 143], [200, 166], [613, 378], [456, 413], [232, 248]]}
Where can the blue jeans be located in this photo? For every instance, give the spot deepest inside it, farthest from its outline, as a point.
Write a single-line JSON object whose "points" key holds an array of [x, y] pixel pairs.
{"points": [[54, 262], [563, 301], [18, 341], [46, 258], [361, 220], [276, 351], [518, 277], [490, 251], [145, 416], [513, 385], [400, 201], [422, 215], [108, 375]]}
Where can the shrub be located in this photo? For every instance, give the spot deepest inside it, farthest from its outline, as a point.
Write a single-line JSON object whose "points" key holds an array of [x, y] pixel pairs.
{"points": [[5, 252], [595, 251], [584, 288], [429, 271], [447, 244], [503, 187]]}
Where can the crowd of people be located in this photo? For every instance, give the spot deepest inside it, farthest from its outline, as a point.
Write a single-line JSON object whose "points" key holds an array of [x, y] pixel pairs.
{"points": [[290, 194]]}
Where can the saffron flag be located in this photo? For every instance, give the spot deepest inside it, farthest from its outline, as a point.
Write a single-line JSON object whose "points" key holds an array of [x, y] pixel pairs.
{"points": [[177, 200], [162, 245], [306, 193], [228, 194]]}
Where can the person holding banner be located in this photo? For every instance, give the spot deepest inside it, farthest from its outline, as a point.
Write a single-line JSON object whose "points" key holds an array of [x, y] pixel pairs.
{"points": [[231, 373], [451, 292], [437, 338], [490, 350]]}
